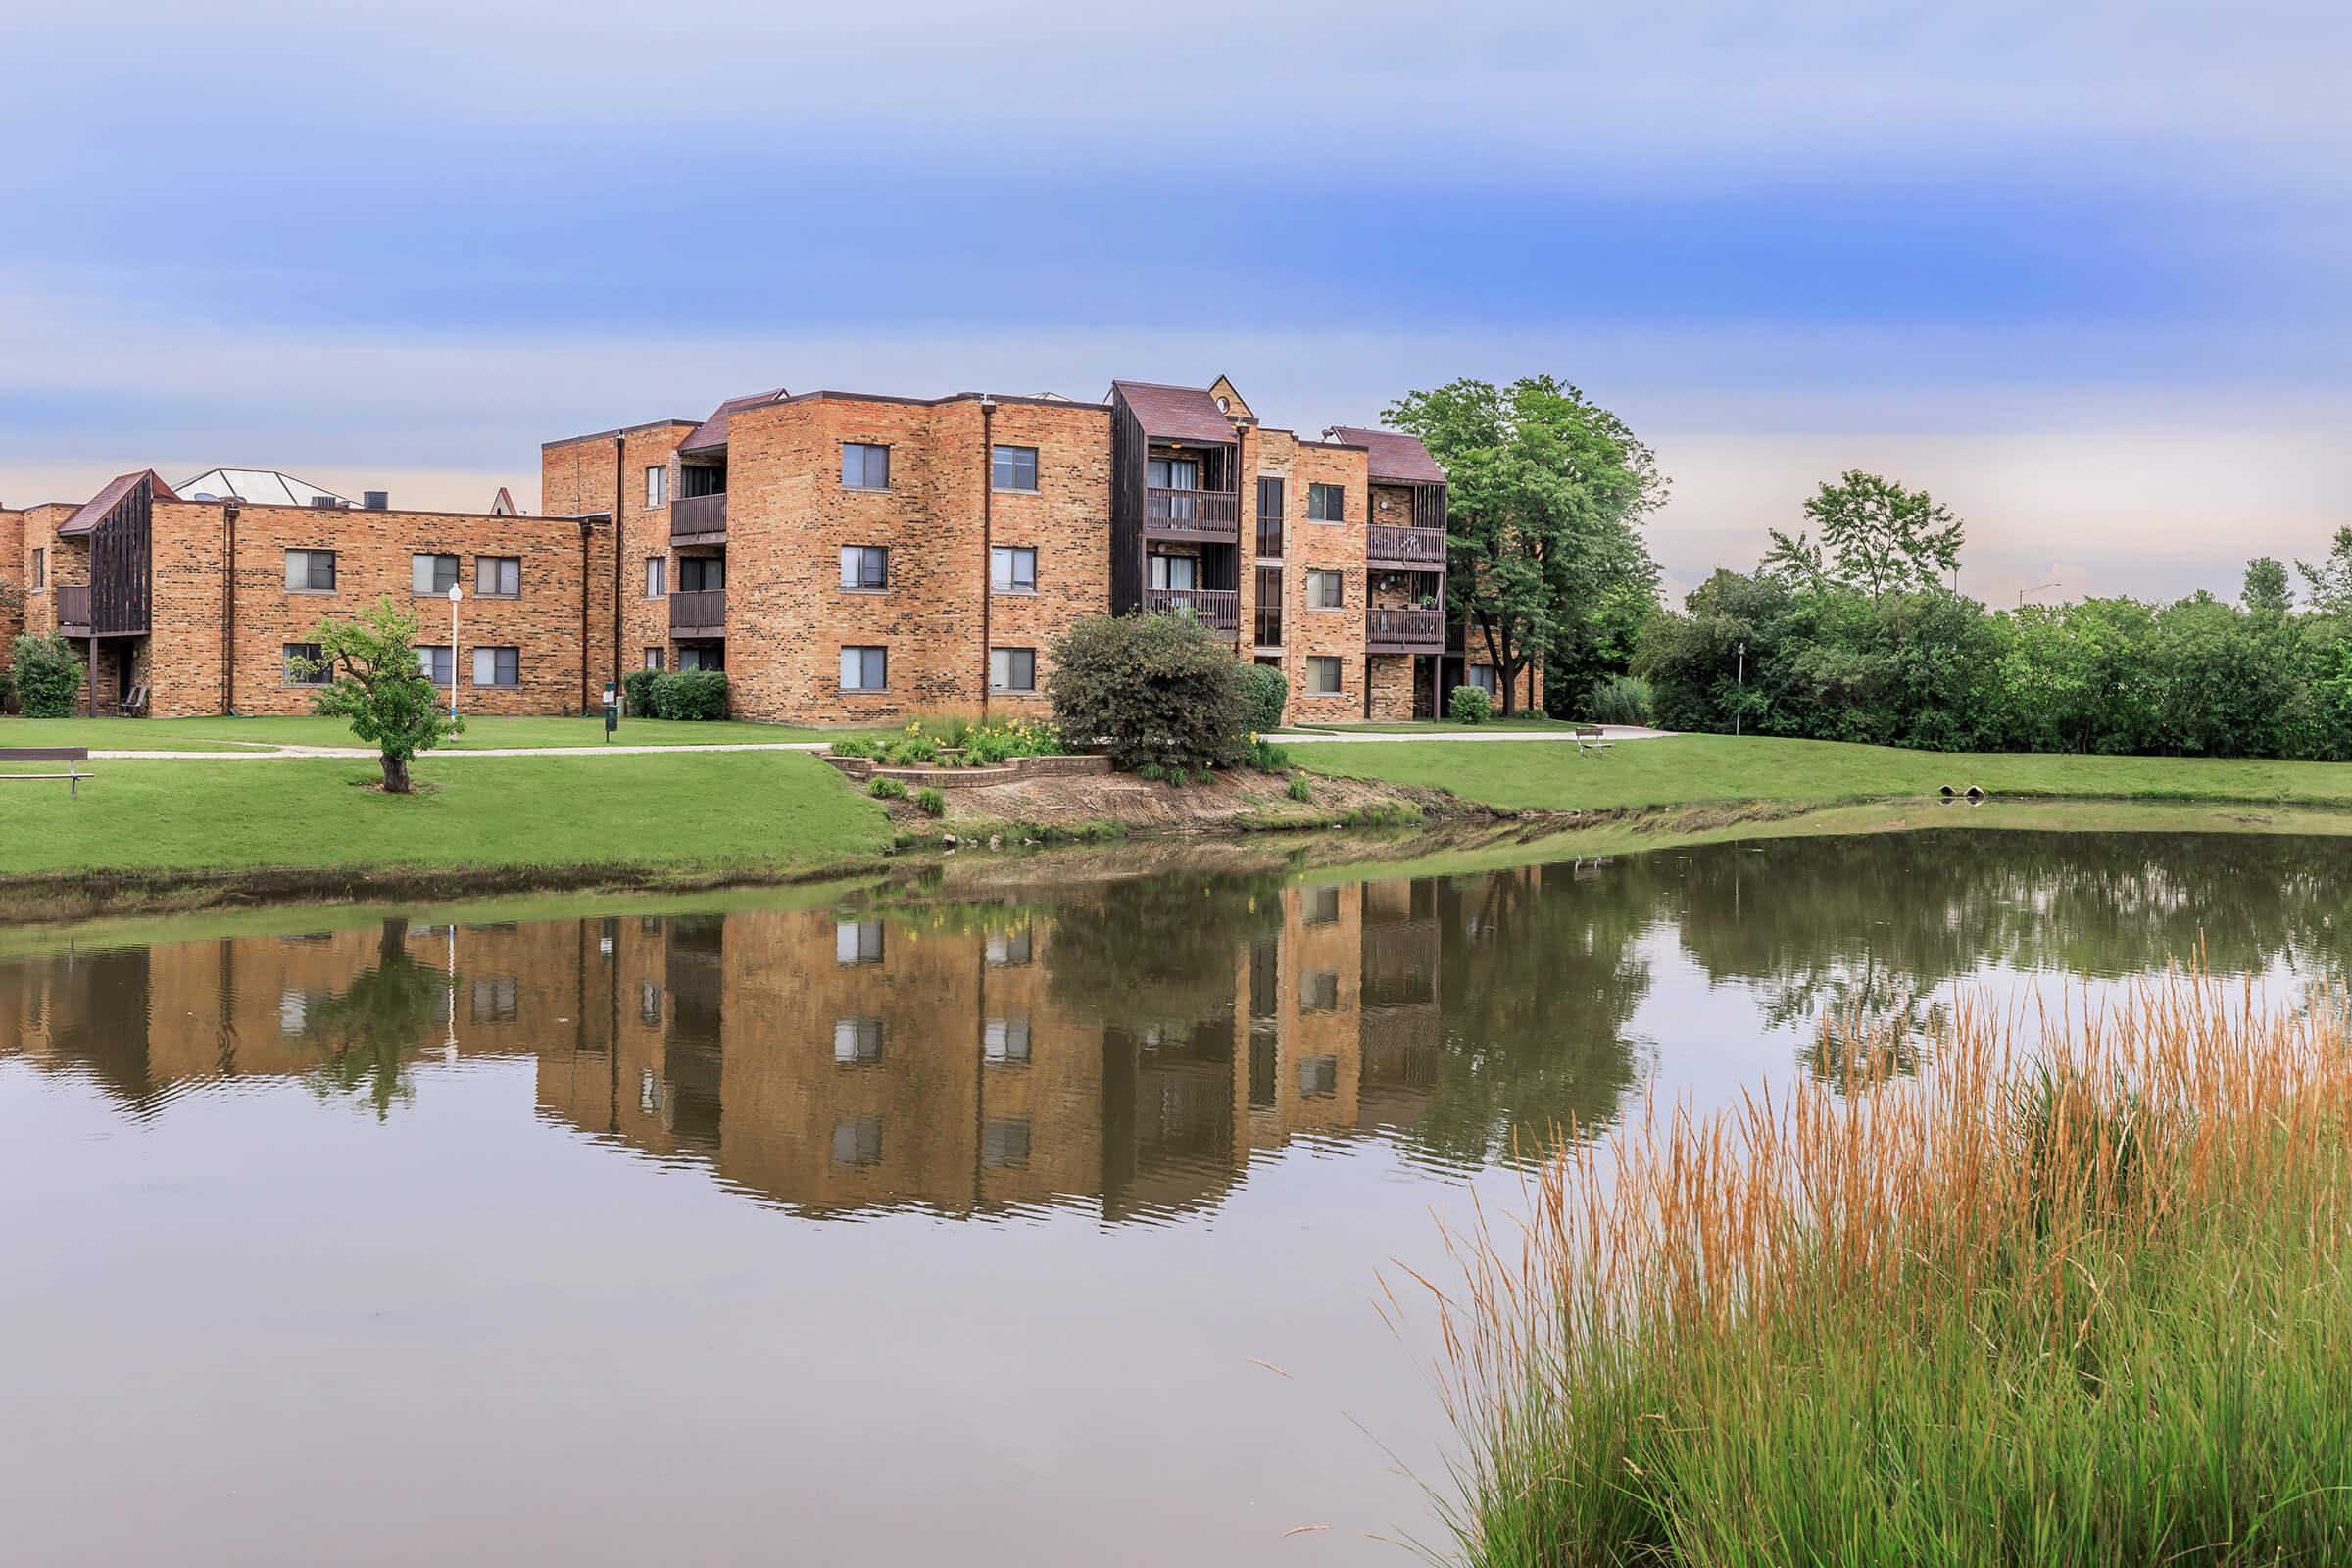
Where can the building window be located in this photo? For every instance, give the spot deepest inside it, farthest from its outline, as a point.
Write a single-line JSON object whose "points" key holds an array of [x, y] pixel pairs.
{"points": [[1008, 949], [1004, 1145], [41, 571], [700, 573], [649, 1003], [705, 655], [657, 659], [433, 663], [1326, 503], [498, 667], [856, 942], [1005, 1042], [432, 574], [657, 486], [305, 666], [1481, 676], [865, 466], [857, 1042], [310, 572], [864, 567], [864, 670], [858, 1141], [1012, 568], [1319, 992], [1323, 675], [1318, 1077], [1319, 906], [1013, 467], [656, 576], [497, 576], [1326, 590], [1180, 573], [1012, 670], [1269, 515], [497, 999]]}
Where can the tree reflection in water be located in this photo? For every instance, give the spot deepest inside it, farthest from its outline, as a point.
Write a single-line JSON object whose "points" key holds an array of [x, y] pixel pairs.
{"points": [[370, 1031]]}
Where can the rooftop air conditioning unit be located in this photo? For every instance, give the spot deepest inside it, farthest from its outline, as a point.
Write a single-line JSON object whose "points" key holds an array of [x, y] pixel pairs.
{"points": [[377, 500]]}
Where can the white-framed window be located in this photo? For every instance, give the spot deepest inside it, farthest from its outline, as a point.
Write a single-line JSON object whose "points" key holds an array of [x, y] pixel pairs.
{"points": [[1012, 467], [1004, 1144], [498, 667], [433, 663], [864, 670], [649, 1003], [856, 942], [432, 574], [657, 659], [497, 576], [865, 569], [1326, 590], [1172, 572], [1007, 950], [865, 465], [1326, 503], [858, 1141], [310, 572], [302, 666], [1322, 675], [656, 576], [857, 1042], [1005, 1042], [1481, 676], [1012, 670], [1012, 568], [657, 485]]}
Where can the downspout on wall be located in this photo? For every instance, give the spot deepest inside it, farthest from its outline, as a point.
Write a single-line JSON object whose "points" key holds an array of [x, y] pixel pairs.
{"points": [[585, 526], [619, 462]]}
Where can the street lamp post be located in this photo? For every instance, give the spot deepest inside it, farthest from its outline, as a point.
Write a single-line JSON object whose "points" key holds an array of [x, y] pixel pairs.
{"points": [[456, 593]]}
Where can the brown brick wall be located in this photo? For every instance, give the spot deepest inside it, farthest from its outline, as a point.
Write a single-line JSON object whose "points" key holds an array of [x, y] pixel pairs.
{"points": [[13, 567], [576, 476], [1325, 547]]}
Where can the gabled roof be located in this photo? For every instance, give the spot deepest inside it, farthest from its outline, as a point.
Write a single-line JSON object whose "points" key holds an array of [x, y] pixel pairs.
{"points": [[262, 487], [712, 432], [107, 500], [1397, 458], [1175, 413], [502, 505]]}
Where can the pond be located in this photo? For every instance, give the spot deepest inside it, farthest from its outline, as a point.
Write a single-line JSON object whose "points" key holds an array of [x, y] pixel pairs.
{"points": [[1041, 1228]]}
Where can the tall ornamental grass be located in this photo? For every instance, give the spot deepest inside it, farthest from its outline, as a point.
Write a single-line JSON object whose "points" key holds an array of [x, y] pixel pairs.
{"points": [[2074, 1293]]}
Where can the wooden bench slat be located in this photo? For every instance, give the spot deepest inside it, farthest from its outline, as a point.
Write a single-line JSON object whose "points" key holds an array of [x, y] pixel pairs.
{"points": [[44, 754]]}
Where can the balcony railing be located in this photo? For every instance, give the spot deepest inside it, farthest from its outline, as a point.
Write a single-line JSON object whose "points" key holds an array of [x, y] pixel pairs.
{"points": [[699, 613], [698, 516], [1217, 608], [1193, 513], [1416, 547], [73, 609], [1404, 630]]}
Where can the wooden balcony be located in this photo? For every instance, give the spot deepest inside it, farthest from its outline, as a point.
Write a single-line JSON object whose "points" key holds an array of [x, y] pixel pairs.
{"points": [[1403, 632], [74, 609], [698, 519], [1214, 515], [1419, 548], [1219, 609], [699, 613]]}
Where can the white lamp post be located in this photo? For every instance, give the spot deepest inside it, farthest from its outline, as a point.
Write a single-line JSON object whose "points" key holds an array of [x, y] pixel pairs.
{"points": [[456, 593]]}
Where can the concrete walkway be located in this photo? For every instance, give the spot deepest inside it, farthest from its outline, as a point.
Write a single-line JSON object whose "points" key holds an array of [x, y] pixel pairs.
{"points": [[1612, 732]]}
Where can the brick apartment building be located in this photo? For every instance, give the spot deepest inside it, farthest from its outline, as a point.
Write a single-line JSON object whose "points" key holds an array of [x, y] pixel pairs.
{"points": [[864, 556]]}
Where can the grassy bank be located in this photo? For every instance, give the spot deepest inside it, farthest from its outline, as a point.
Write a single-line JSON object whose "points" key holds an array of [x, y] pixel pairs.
{"points": [[771, 811], [227, 734], [2068, 1301], [1687, 769]]}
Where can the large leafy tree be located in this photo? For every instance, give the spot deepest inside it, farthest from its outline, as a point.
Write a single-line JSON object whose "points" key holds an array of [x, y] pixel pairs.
{"points": [[380, 687], [2330, 581], [2266, 586], [1875, 536], [1545, 492]]}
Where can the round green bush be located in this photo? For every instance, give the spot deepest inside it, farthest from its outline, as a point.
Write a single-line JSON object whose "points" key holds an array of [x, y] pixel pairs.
{"points": [[47, 674], [1264, 694], [1469, 705]]}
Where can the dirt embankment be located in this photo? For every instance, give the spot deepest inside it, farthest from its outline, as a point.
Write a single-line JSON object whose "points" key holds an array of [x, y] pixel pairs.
{"points": [[1239, 801]]}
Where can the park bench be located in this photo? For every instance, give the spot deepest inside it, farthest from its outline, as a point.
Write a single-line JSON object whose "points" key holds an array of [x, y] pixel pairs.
{"points": [[1589, 737], [68, 755]]}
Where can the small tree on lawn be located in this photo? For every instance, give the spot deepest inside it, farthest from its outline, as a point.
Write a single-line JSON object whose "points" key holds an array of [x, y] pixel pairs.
{"points": [[47, 674], [380, 687], [1161, 689]]}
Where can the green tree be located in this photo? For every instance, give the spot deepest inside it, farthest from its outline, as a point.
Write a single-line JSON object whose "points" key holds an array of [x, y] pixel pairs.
{"points": [[1876, 536], [1545, 492], [1160, 689], [2330, 581], [47, 676], [380, 688], [2266, 586]]}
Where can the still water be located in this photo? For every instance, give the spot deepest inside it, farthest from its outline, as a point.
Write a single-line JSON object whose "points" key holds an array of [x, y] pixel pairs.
{"points": [[1032, 1229]]}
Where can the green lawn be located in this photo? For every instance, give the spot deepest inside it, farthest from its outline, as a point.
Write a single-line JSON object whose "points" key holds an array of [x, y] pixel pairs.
{"points": [[226, 734], [689, 810], [1687, 769]]}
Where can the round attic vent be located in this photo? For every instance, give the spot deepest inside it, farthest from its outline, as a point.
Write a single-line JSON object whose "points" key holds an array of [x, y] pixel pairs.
{"points": [[1224, 404]]}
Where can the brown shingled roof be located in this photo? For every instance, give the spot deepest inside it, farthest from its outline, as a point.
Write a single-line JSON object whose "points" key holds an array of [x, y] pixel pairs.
{"points": [[1175, 413], [1395, 457], [712, 432], [105, 500]]}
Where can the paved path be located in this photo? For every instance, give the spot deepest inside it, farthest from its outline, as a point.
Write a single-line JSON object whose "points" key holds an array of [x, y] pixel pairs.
{"points": [[362, 753]]}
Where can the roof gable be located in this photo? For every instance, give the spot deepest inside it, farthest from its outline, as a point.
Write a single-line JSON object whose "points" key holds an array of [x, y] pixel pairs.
{"points": [[96, 509], [1175, 413]]}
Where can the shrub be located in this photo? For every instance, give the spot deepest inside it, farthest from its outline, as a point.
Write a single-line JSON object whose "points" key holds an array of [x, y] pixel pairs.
{"points": [[851, 745], [47, 676], [910, 750], [637, 688], [1264, 694], [931, 802], [1300, 790], [8, 694], [887, 789], [1201, 775], [1620, 700], [1152, 688], [1468, 705], [1268, 757], [1152, 771], [1006, 739], [692, 694]]}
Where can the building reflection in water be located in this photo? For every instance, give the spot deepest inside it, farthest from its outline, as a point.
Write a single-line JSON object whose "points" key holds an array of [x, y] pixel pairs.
{"points": [[1131, 1046]]}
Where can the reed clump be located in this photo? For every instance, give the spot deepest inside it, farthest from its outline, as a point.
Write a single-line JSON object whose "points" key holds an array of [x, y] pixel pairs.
{"points": [[2074, 1289]]}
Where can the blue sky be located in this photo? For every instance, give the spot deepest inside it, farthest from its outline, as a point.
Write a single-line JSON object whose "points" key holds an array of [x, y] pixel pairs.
{"points": [[2084, 275]]}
